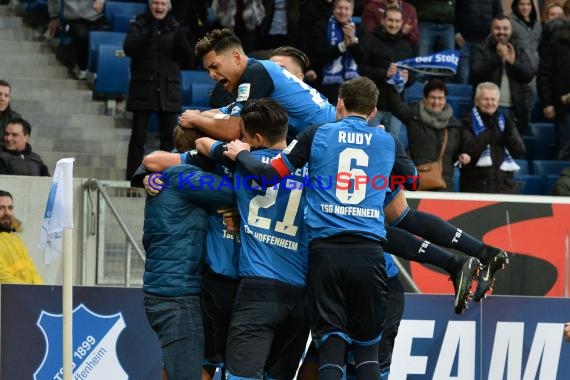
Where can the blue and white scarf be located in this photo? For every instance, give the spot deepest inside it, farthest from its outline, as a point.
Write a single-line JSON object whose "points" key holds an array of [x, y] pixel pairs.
{"points": [[344, 67], [508, 164], [443, 63]]}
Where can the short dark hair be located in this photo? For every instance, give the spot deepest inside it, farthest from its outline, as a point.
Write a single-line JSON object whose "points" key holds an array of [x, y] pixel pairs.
{"points": [[4, 193], [434, 84], [218, 40], [185, 138], [5, 83], [266, 117], [500, 17], [392, 8], [289, 51], [26, 127], [359, 95]]}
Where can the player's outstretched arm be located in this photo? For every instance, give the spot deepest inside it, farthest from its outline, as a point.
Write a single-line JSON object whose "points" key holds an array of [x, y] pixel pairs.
{"points": [[160, 160]]}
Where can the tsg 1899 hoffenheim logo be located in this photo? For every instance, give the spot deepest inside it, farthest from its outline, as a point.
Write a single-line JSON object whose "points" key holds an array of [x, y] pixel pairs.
{"points": [[94, 346]]}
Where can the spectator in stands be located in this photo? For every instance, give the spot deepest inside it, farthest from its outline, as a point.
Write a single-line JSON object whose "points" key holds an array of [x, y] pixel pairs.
{"points": [[16, 265], [499, 60], [553, 83], [16, 156], [562, 185], [78, 18], [567, 331], [437, 25], [379, 50], [472, 22], [426, 123], [555, 22], [490, 141], [159, 47], [316, 11], [244, 17], [280, 24], [6, 112], [552, 11], [374, 11], [334, 44], [193, 14], [526, 28]]}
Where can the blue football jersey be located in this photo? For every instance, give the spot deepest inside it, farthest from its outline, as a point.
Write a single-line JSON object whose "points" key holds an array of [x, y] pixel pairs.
{"points": [[273, 235], [222, 248], [350, 165], [266, 79]]}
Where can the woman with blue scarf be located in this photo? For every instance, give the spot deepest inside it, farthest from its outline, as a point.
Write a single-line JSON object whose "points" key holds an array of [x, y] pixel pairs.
{"points": [[490, 140], [333, 48]]}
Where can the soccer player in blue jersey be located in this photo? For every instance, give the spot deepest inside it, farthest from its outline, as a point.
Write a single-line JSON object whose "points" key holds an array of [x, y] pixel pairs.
{"points": [[394, 311], [347, 275], [223, 56], [268, 330]]}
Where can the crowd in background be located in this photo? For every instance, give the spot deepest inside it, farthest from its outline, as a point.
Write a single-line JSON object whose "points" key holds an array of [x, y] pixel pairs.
{"points": [[525, 54]]}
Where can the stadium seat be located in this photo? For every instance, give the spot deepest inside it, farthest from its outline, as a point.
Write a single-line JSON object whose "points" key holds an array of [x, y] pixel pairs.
{"points": [[97, 38], [191, 77], [460, 90], [549, 167], [114, 71], [201, 95], [460, 105], [530, 184], [550, 181], [196, 76], [545, 136], [414, 93], [524, 167], [456, 178], [529, 143], [119, 14]]}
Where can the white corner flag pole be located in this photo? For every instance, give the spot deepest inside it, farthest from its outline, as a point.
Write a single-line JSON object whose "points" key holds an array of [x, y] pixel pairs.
{"points": [[67, 288], [55, 240], [67, 296]]}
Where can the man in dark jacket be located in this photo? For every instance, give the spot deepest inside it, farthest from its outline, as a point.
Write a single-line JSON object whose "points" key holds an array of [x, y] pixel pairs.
{"points": [[379, 50], [158, 47], [553, 83], [490, 141], [16, 156], [472, 21], [509, 66], [6, 112], [174, 238], [436, 20]]}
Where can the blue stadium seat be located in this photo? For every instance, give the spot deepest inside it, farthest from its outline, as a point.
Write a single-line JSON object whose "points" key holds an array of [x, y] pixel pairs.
{"points": [[201, 94], [191, 77], [524, 167], [456, 178], [550, 181], [545, 136], [114, 71], [529, 143], [460, 90], [119, 13], [530, 184], [414, 92], [549, 167], [196, 76], [97, 38], [460, 105]]}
